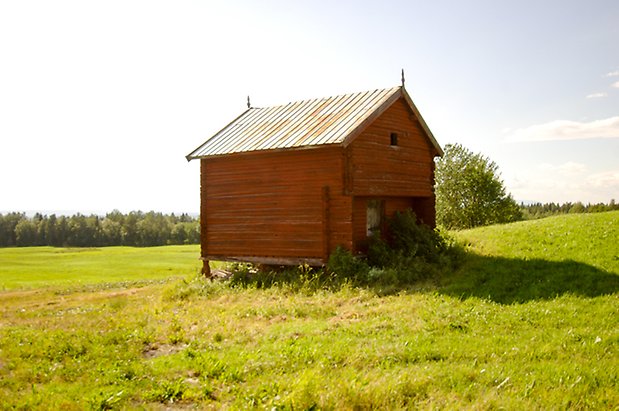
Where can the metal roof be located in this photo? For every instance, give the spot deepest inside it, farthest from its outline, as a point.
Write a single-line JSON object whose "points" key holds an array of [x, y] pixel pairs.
{"points": [[307, 123]]}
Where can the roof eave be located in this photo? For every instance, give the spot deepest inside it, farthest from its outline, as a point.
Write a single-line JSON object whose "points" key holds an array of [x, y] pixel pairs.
{"points": [[271, 150], [192, 156]]}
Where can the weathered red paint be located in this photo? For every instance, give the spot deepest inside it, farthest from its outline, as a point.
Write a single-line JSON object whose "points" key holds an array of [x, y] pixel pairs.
{"points": [[298, 205]]}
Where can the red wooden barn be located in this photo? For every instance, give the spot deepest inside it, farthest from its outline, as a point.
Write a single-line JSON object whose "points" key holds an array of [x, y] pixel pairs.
{"points": [[288, 184]]}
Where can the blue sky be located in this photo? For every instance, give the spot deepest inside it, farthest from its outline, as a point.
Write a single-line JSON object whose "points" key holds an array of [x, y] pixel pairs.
{"points": [[101, 101]]}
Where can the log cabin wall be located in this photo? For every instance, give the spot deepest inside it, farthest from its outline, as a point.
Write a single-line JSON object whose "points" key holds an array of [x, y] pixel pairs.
{"points": [[391, 161], [286, 206], [382, 169]]}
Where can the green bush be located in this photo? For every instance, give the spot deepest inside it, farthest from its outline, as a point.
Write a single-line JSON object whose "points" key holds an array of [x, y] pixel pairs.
{"points": [[302, 278], [410, 252], [415, 239], [345, 266]]}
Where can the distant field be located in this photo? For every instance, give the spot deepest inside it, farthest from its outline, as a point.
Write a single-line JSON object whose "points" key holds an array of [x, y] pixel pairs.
{"points": [[528, 321], [29, 267]]}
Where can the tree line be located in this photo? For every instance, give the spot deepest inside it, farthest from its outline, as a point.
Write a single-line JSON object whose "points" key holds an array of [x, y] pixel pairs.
{"points": [[539, 210], [133, 229]]}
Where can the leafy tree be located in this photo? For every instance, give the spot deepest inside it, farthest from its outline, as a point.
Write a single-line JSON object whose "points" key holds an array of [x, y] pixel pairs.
{"points": [[130, 228], [25, 233], [577, 208], [153, 229], [178, 234], [111, 232], [7, 228], [62, 231], [51, 230], [469, 192], [185, 233], [192, 228]]}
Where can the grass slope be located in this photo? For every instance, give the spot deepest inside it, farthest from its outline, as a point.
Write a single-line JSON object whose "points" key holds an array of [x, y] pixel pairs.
{"points": [[591, 239], [43, 266], [191, 344], [541, 259]]}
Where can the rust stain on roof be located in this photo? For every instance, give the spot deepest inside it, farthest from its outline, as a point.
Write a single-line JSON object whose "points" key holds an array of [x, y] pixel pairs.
{"points": [[306, 123]]}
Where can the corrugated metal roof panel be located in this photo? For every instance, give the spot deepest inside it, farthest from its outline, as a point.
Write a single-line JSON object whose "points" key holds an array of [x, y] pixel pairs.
{"points": [[307, 123], [296, 124]]}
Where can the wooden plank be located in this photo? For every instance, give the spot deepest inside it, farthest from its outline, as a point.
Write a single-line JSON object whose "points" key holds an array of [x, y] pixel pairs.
{"points": [[326, 232], [203, 208], [347, 171], [315, 262]]}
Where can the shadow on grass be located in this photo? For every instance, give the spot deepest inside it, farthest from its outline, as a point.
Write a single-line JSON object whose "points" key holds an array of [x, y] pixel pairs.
{"points": [[498, 279], [509, 281]]}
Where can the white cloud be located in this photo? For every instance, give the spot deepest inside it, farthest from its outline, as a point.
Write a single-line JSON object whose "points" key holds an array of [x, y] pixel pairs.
{"points": [[613, 73], [607, 180], [596, 95], [616, 84], [569, 168], [567, 130], [564, 182]]}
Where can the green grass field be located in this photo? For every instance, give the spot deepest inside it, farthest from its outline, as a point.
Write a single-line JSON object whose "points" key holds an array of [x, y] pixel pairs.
{"points": [[591, 239], [542, 259], [516, 327], [44, 266]]}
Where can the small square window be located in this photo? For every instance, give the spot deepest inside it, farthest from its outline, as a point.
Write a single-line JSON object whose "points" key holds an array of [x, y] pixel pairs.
{"points": [[394, 139]]}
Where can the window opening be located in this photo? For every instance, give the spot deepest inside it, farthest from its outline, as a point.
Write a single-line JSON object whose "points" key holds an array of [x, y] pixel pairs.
{"points": [[374, 216], [394, 139]]}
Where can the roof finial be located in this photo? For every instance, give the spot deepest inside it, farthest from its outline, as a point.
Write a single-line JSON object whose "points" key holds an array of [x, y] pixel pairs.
{"points": [[248, 103], [402, 77]]}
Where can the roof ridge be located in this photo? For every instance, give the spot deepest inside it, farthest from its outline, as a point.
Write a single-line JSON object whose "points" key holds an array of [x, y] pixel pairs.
{"points": [[307, 100]]}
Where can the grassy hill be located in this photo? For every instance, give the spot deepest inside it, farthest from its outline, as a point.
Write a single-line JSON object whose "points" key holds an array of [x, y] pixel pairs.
{"points": [[540, 259], [586, 238], [515, 327]]}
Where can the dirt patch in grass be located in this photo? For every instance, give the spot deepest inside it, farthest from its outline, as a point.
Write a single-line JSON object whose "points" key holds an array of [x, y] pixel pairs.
{"points": [[158, 350]]}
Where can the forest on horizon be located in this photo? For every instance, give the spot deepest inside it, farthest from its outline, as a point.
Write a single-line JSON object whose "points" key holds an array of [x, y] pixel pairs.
{"points": [[146, 229], [115, 228]]}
